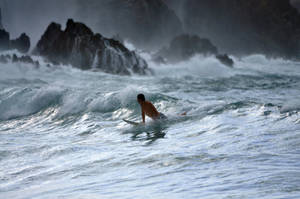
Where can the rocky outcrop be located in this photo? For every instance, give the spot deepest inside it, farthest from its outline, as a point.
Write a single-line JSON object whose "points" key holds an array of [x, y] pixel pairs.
{"points": [[4, 59], [185, 46], [270, 27], [18, 59], [145, 23], [78, 46], [22, 44], [225, 59], [4, 40]]}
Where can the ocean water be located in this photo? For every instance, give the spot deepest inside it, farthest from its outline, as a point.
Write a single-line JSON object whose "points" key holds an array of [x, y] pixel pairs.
{"points": [[62, 134]]}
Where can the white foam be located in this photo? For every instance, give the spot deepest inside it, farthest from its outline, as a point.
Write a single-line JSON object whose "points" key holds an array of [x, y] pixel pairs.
{"points": [[260, 63], [198, 66], [290, 106]]}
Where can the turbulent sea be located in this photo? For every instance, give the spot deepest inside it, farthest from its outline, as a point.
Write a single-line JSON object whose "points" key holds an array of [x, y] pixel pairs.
{"points": [[62, 134]]}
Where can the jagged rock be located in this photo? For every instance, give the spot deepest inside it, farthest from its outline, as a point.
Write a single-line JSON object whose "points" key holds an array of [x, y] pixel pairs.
{"points": [[225, 59], [22, 44], [23, 59], [118, 38], [186, 46], [4, 40], [79, 46], [14, 58]]}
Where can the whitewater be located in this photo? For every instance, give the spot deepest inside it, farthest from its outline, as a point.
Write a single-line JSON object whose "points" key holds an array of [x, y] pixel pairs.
{"points": [[62, 134]]}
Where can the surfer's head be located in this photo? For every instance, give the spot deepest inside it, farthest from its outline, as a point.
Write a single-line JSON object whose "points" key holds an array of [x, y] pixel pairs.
{"points": [[141, 98]]}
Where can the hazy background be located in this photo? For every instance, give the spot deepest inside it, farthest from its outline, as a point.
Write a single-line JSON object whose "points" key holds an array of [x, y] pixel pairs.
{"points": [[235, 27]]}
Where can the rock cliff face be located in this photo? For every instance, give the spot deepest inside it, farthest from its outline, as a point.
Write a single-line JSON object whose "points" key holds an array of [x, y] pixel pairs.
{"points": [[79, 46], [145, 23], [242, 27], [4, 40], [22, 44], [185, 46]]}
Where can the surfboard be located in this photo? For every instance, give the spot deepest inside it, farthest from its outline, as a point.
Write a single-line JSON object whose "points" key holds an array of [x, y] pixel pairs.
{"points": [[131, 122]]}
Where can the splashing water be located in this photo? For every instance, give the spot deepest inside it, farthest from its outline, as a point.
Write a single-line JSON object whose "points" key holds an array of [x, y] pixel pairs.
{"points": [[62, 134]]}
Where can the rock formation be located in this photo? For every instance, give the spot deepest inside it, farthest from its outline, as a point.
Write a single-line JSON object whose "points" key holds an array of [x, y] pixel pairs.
{"points": [[4, 59], [185, 46], [22, 44], [79, 46], [4, 40], [225, 59]]}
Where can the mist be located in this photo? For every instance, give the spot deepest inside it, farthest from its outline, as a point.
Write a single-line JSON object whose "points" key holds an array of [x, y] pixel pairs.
{"points": [[33, 17], [235, 27], [145, 23]]}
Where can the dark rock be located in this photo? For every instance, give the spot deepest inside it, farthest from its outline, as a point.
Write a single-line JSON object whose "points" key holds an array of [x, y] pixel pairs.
{"points": [[225, 59], [15, 58], [26, 59], [118, 38], [22, 44], [185, 46], [23, 59], [4, 40], [79, 46], [4, 59]]}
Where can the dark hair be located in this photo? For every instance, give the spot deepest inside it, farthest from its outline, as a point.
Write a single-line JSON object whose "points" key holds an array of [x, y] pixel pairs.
{"points": [[141, 97]]}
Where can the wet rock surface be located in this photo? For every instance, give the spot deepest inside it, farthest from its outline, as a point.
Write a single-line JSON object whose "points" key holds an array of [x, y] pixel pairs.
{"points": [[186, 46], [4, 59], [78, 46]]}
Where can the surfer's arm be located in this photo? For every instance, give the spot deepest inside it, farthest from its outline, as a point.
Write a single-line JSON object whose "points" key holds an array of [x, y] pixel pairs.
{"points": [[143, 116]]}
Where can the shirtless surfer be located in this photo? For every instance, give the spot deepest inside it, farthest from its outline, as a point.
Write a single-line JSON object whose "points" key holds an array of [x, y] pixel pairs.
{"points": [[149, 109]]}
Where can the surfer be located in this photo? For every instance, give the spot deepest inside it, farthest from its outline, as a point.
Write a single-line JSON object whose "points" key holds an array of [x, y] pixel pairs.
{"points": [[149, 109]]}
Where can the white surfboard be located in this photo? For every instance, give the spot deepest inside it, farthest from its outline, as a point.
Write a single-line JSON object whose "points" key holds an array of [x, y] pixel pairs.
{"points": [[131, 122]]}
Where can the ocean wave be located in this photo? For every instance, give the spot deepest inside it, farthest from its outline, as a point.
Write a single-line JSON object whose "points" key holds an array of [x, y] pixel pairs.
{"points": [[22, 102]]}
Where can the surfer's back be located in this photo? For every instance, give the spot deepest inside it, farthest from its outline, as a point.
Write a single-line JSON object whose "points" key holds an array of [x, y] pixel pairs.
{"points": [[149, 109]]}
